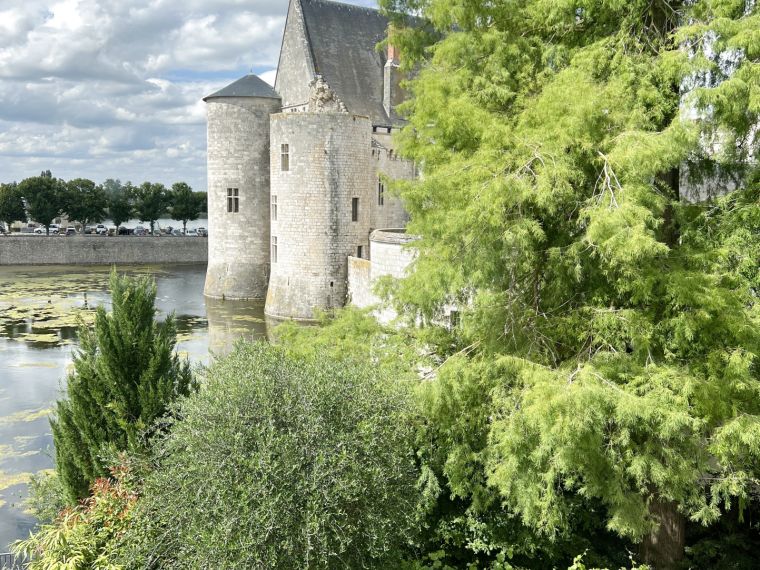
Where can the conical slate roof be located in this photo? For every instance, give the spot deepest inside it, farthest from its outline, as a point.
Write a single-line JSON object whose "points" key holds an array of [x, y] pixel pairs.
{"points": [[248, 86]]}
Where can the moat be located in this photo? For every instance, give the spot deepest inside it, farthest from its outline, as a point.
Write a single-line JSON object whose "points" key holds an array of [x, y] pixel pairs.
{"points": [[39, 311]]}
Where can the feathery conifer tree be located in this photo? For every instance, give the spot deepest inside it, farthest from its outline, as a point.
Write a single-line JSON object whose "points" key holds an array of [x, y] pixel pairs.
{"points": [[125, 374], [611, 328]]}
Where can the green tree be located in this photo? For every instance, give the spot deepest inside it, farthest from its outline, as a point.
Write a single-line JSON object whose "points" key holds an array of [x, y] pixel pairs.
{"points": [[150, 202], [112, 186], [11, 204], [124, 376], [185, 204], [202, 197], [282, 461], [120, 206], [84, 201], [44, 198], [609, 333]]}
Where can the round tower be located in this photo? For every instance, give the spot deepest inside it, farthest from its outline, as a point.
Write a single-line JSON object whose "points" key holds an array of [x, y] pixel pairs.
{"points": [[320, 190], [238, 189]]}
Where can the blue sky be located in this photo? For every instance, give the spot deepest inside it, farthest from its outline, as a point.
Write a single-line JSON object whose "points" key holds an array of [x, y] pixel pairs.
{"points": [[112, 88]]}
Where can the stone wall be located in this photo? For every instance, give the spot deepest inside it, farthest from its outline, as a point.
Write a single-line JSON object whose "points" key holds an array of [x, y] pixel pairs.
{"points": [[359, 284], [238, 157], [329, 167], [386, 162], [390, 255], [94, 250]]}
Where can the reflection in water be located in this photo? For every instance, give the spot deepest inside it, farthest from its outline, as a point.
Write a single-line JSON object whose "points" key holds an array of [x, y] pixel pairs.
{"points": [[40, 308], [232, 320]]}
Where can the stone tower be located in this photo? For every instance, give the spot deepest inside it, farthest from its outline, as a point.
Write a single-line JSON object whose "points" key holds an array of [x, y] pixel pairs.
{"points": [[238, 188], [321, 180], [297, 174]]}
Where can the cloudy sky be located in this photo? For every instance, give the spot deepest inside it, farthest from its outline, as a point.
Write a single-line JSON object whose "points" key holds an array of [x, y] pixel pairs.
{"points": [[112, 88]]}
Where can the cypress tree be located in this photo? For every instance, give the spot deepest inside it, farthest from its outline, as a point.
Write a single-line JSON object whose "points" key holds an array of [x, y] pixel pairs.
{"points": [[609, 346], [124, 375]]}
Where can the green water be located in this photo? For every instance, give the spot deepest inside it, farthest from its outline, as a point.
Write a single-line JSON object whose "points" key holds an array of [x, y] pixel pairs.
{"points": [[39, 311]]}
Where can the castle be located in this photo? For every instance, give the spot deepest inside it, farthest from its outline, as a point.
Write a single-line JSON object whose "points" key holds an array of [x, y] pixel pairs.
{"points": [[296, 174]]}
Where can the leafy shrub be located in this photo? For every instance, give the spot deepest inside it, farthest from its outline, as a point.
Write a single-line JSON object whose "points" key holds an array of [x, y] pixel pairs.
{"points": [[281, 461], [47, 497], [87, 536]]}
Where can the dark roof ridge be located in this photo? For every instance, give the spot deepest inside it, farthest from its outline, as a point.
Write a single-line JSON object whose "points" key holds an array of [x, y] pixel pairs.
{"points": [[346, 4]]}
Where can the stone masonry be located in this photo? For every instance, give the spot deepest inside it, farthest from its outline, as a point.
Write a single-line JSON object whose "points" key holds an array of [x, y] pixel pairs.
{"points": [[329, 168], [310, 160], [238, 161]]}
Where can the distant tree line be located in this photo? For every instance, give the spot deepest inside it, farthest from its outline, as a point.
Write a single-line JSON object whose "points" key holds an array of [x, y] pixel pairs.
{"points": [[44, 198]]}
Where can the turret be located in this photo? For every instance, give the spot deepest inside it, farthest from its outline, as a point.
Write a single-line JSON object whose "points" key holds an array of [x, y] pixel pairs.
{"points": [[238, 188], [321, 184]]}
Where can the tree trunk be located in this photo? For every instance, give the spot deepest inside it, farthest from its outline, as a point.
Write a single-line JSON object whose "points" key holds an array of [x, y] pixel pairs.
{"points": [[184, 227], [663, 548]]}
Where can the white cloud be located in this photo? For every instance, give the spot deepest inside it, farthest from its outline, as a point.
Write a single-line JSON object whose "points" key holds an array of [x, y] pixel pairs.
{"points": [[269, 76], [113, 88]]}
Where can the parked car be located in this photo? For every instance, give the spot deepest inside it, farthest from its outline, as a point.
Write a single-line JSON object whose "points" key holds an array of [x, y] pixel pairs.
{"points": [[53, 229], [70, 231], [177, 232], [101, 230], [202, 232], [124, 231], [139, 231], [191, 233]]}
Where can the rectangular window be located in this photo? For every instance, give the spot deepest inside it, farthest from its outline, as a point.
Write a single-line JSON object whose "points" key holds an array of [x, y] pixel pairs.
{"points": [[284, 157], [380, 193], [274, 249], [274, 208], [233, 201], [354, 209], [359, 252]]}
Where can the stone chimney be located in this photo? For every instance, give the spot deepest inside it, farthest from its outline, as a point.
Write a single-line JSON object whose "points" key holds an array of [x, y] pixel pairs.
{"points": [[393, 94]]}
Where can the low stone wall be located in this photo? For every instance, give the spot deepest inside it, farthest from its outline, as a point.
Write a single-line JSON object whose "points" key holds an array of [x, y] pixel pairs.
{"points": [[359, 285], [389, 253], [101, 250], [389, 256]]}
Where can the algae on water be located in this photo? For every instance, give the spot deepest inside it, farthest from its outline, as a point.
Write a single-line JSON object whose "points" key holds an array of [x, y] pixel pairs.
{"points": [[25, 416]]}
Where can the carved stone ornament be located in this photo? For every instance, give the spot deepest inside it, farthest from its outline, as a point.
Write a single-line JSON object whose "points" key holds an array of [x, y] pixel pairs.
{"points": [[322, 99]]}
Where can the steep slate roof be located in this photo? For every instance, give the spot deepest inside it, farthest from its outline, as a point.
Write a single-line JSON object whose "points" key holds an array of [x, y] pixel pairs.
{"points": [[343, 39], [247, 86]]}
